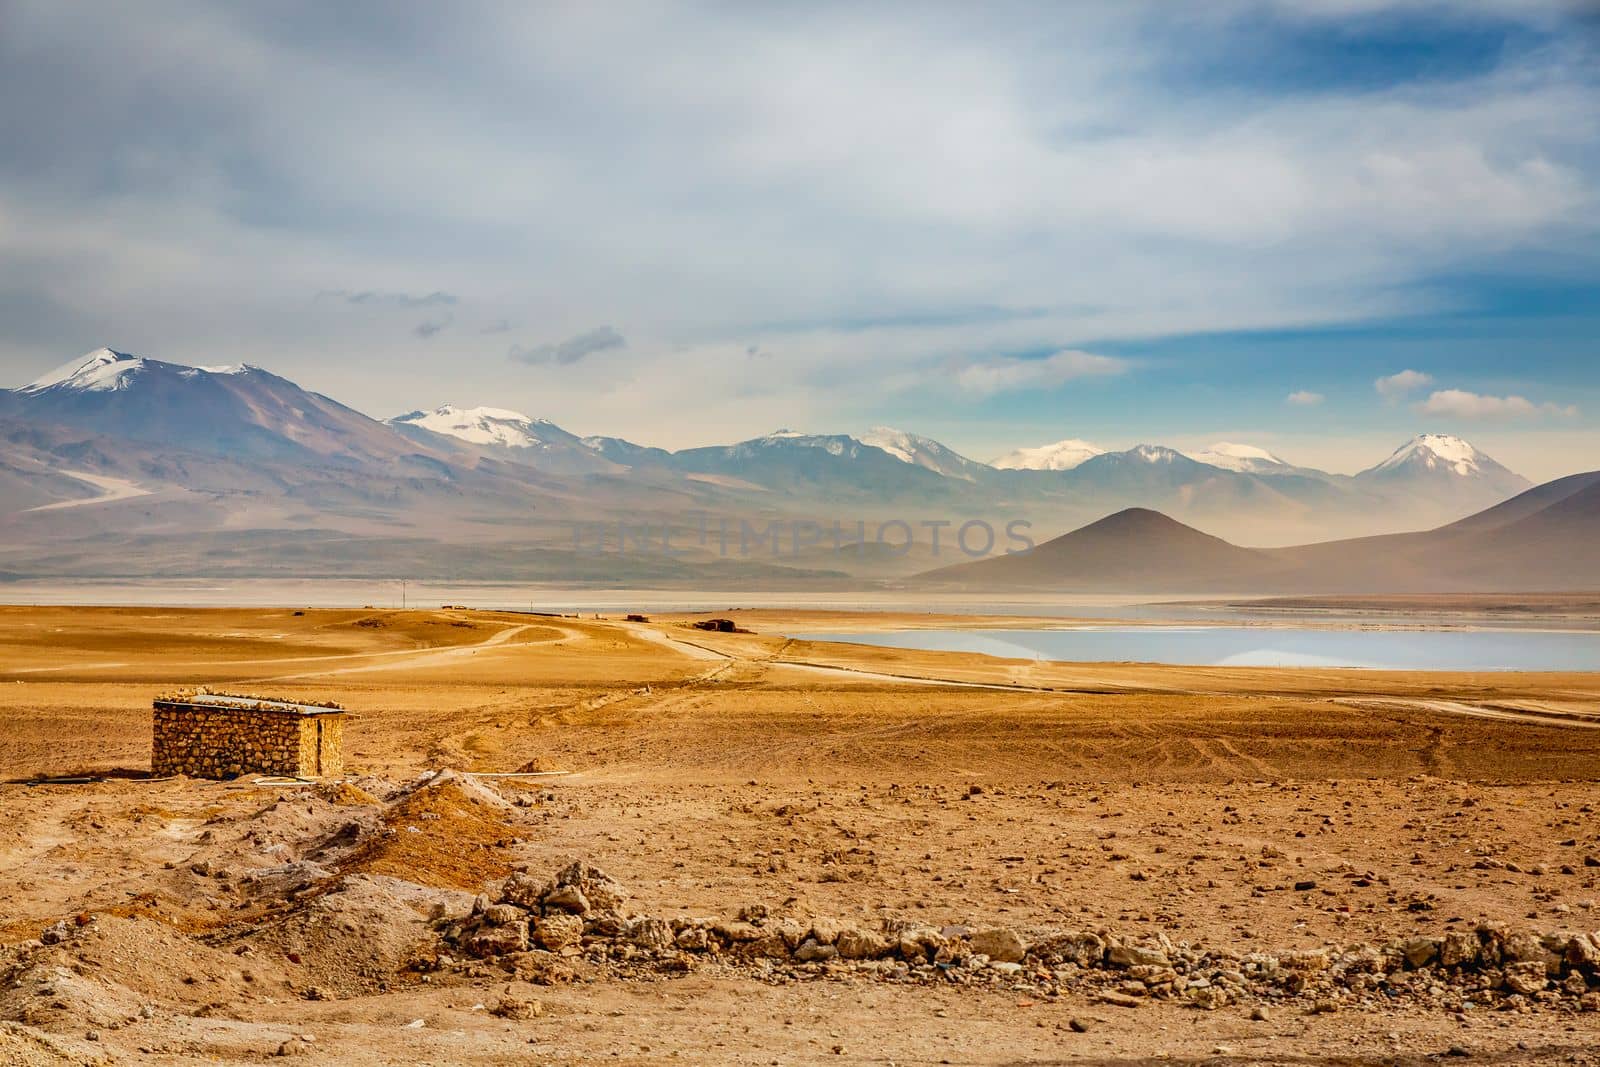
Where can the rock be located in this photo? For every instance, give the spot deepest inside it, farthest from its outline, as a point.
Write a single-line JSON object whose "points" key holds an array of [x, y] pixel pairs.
{"points": [[1077, 1025], [1527, 977], [517, 1008], [523, 890], [497, 940], [857, 944], [813, 951], [1121, 1000], [503, 914], [792, 931], [603, 892], [556, 932], [293, 1047], [1420, 951], [1584, 951], [737, 931], [1590, 1002], [1261, 1014], [568, 898], [1324, 1006], [1458, 950], [919, 944], [766, 947], [1084, 949], [1128, 955], [825, 931], [693, 939], [1000, 943], [652, 934]]}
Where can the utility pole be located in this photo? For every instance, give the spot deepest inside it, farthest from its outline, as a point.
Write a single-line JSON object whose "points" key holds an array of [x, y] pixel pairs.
{"points": [[402, 594]]}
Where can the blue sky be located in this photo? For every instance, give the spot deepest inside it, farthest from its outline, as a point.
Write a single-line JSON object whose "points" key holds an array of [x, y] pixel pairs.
{"points": [[683, 223]]}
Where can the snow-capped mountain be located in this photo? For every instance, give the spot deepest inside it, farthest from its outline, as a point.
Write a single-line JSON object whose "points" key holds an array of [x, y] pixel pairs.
{"points": [[236, 411], [923, 452], [791, 461], [484, 426], [506, 434], [1237, 457], [625, 452], [1061, 456], [1435, 464]]}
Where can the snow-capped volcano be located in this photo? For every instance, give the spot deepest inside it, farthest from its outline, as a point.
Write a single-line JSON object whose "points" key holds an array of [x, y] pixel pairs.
{"points": [[106, 370], [509, 435], [1236, 457], [1437, 451], [1436, 463], [236, 411], [1060, 456], [486, 426], [923, 452]]}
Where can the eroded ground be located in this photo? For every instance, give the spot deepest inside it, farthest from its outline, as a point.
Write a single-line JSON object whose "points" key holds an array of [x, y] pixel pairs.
{"points": [[1245, 810]]}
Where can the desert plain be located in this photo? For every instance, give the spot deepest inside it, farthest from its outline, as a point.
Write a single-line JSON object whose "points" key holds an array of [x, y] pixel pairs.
{"points": [[820, 853]]}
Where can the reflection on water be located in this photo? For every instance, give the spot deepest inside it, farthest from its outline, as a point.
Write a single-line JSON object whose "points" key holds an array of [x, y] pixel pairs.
{"points": [[1260, 646]]}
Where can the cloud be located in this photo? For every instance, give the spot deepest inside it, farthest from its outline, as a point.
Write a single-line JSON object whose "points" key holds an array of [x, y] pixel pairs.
{"points": [[599, 339], [426, 330], [498, 326], [1461, 404], [404, 300], [1070, 175], [1305, 398], [1394, 387], [1008, 375]]}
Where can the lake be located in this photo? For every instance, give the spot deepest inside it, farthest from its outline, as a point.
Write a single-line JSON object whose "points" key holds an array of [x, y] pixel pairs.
{"points": [[1262, 646]]}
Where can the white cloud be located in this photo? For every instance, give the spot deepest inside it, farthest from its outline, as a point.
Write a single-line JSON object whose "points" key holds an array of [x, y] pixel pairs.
{"points": [[719, 176], [1009, 375], [1305, 398], [1464, 405], [1395, 386]]}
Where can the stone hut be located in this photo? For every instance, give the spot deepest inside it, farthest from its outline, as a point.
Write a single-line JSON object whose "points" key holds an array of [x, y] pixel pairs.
{"points": [[221, 735]]}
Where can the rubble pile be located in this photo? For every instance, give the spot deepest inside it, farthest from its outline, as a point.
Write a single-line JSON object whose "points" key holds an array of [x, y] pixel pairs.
{"points": [[545, 930]]}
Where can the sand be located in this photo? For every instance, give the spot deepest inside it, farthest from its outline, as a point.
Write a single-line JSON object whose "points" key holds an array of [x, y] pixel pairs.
{"points": [[711, 771]]}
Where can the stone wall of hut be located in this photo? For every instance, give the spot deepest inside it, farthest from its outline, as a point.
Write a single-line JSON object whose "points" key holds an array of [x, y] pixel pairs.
{"points": [[210, 742]]}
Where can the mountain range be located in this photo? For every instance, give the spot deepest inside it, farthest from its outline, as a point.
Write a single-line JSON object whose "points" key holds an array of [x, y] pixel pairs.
{"points": [[1547, 538], [210, 454]]}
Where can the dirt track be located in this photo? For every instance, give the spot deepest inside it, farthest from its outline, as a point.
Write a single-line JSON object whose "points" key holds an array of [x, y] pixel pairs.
{"points": [[739, 768]]}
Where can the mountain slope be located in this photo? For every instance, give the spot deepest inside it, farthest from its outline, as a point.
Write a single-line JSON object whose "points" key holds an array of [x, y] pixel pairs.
{"points": [[1060, 456], [1245, 458], [505, 434], [798, 463], [1133, 549], [1438, 464], [1546, 539], [239, 412], [924, 452]]}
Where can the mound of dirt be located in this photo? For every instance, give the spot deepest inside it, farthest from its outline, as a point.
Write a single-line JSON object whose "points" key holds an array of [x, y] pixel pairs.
{"points": [[449, 831], [23, 1046], [350, 941]]}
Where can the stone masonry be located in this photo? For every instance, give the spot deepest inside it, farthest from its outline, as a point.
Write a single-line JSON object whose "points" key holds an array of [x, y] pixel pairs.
{"points": [[207, 735]]}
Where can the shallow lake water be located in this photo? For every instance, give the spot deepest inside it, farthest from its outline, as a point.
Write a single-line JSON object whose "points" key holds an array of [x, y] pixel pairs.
{"points": [[1263, 646]]}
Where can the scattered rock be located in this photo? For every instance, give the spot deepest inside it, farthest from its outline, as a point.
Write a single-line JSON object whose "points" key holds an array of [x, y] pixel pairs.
{"points": [[999, 943]]}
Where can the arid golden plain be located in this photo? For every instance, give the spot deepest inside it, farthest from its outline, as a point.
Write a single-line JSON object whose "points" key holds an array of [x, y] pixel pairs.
{"points": [[812, 842]]}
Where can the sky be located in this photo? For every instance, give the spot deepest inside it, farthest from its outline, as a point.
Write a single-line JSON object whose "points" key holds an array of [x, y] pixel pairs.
{"points": [[1318, 227]]}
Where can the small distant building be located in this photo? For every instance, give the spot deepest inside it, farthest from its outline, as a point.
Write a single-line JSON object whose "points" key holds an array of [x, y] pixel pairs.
{"points": [[223, 735]]}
